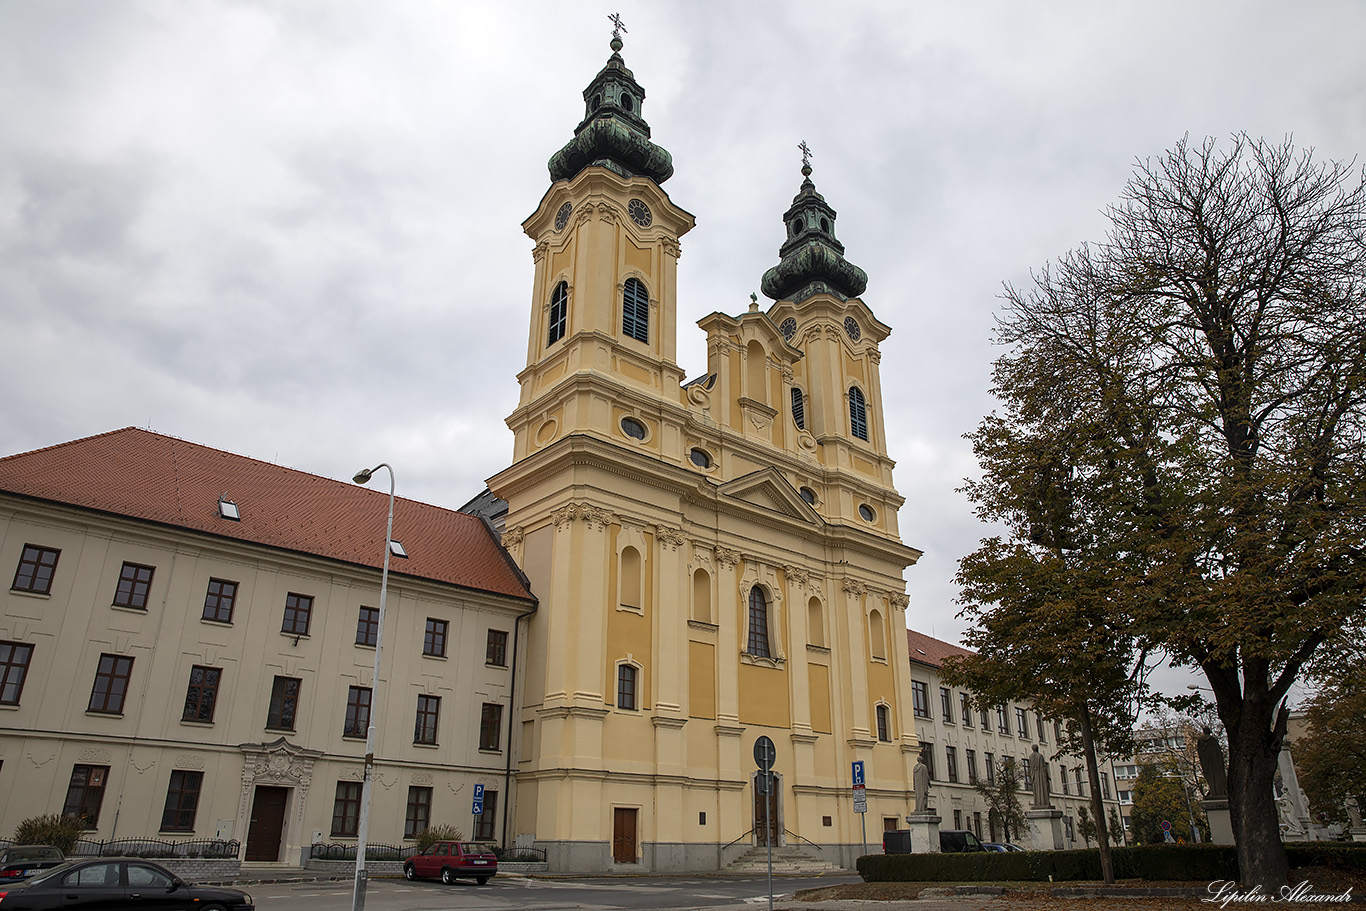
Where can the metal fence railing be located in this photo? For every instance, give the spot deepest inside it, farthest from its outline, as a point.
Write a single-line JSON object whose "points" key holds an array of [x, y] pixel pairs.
{"points": [[319, 851], [211, 848]]}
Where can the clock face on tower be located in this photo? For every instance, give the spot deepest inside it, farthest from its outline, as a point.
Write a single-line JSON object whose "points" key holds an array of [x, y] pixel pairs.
{"points": [[639, 212], [562, 216], [788, 328], [851, 328]]}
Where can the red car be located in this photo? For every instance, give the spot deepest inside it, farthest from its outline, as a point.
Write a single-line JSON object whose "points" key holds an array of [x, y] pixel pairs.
{"points": [[452, 860]]}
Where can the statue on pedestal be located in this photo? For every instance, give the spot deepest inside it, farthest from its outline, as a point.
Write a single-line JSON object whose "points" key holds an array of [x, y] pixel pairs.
{"points": [[1038, 779], [1212, 765], [921, 779]]}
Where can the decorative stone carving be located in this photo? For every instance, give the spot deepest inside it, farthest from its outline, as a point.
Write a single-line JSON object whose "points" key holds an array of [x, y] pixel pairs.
{"points": [[701, 558], [513, 537], [596, 518], [726, 558], [279, 763], [900, 600], [672, 248], [539, 251], [93, 755], [854, 587], [672, 537], [797, 576]]}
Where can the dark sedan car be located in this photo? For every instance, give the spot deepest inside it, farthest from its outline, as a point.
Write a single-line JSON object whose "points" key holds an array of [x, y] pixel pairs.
{"points": [[19, 862], [116, 883]]}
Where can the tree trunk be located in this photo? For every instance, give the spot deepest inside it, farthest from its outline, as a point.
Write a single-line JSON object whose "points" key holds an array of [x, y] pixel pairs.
{"points": [[1088, 744], [1256, 728]]}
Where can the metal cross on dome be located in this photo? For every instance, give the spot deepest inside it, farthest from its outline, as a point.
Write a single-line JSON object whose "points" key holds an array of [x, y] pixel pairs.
{"points": [[617, 26], [806, 153]]}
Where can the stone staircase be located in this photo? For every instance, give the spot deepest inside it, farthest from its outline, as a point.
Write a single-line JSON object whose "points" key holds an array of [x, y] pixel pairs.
{"points": [[787, 859]]}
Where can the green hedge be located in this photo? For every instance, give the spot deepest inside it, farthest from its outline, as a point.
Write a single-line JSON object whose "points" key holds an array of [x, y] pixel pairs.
{"points": [[1202, 863], [1343, 855]]}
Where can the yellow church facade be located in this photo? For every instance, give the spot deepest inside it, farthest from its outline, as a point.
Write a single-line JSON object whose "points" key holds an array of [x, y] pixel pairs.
{"points": [[717, 559]]}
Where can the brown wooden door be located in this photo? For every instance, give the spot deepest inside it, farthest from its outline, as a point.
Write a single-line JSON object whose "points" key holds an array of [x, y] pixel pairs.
{"points": [[623, 836], [766, 829], [267, 824]]}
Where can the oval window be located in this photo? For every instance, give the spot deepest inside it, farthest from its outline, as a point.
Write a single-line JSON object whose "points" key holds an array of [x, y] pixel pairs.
{"points": [[825, 225], [633, 428], [866, 512], [626, 101], [699, 458]]}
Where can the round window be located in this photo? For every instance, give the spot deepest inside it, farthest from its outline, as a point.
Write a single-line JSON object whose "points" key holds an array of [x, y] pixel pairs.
{"points": [[808, 495], [699, 458], [866, 512], [633, 428]]}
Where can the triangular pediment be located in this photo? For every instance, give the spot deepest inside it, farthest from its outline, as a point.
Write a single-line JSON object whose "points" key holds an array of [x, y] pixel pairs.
{"points": [[768, 489]]}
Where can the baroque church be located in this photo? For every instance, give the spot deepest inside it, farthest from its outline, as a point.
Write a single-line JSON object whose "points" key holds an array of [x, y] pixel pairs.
{"points": [[716, 559]]}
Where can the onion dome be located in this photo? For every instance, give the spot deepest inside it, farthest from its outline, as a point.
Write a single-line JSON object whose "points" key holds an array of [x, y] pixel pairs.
{"points": [[613, 134], [812, 258]]}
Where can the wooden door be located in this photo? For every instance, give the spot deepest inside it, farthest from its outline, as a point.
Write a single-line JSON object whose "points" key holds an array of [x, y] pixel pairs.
{"points": [[267, 824], [623, 836], [766, 828]]}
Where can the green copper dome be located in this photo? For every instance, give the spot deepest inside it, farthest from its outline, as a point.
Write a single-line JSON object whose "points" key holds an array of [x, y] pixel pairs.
{"points": [[613, 134], [812, 258]]}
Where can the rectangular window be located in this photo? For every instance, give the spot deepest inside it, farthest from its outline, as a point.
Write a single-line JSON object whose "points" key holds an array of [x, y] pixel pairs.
{"points": [[986, 721], [219, 599], [970, 756], [946, 704], [14, 661], [958, 819], [284, 703], [1105, 786], [484, 826], [1057, 732], [1038, 725], [428, 711], [202, 694], [346, 810], [111, 684], [990, 763], [85, 793], [965, 709], [1062, 773], [357, 712], [419, 814], [1021, 723], [497, 651], [927, 751], [490, 726], [1002, 723], [134, 583], [367, 626], [182, 800], [1081, 791], [951, 767], [298, 609], [434, 641], [884, 727], [36, 566], [920, 699], [626, 687]]}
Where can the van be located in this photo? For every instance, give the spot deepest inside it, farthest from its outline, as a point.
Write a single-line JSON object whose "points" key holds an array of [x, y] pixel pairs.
{"points": [[959, 841]]}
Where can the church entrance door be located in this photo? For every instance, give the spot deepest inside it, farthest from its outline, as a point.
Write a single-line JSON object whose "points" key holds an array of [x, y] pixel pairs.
{"points": [[267, 824], [623, 836], [767, 828]]}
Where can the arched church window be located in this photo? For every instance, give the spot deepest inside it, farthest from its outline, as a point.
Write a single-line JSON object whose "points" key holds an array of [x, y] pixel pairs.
{"points": [[758, 624], [559, 313], [858, 413], [627, 675], [630, 578], [635, 311], [815, 622], [701, 596], [877, 636], [625, 101], [798, 408]]}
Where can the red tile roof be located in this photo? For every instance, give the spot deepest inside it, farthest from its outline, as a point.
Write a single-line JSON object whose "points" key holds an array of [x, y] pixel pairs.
{"points": [[144, 475], [929, 650]]}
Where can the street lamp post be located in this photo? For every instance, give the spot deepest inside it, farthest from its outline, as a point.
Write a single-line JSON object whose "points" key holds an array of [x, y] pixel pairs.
{"points": [[358, 892]]}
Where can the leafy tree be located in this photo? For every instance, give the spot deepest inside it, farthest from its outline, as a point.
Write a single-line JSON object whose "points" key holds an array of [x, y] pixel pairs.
{"points": [[1331, 758], [1160, 794], [1116, 827], [1086, 826], [1002, 795], [1180, 457]]}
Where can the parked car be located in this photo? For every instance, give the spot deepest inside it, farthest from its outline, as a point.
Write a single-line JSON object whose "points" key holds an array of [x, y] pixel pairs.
{"points": [[19, 862], [117, 884], [1001, 846], [958, 841], [452, 860]]}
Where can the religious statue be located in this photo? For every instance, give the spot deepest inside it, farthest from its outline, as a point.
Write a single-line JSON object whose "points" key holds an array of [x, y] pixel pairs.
{"points": [[1212, 765], [1038, 779], [921, 780], [1353, 813]]}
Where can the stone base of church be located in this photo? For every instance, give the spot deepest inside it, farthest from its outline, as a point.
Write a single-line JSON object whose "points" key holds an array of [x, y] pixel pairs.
{"points": [[1045, 829], [1220, 824], [684, 857]]}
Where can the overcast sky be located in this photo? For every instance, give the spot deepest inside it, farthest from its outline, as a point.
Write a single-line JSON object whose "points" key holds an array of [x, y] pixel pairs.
{"points": [[291, 230]]}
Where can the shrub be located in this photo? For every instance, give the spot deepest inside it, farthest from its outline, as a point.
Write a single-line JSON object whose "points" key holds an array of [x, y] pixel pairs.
{"points": [[1191, 863], [59, 831], [434, 834]]}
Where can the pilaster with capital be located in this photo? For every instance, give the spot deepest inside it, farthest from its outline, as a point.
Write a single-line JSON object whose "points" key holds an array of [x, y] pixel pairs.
{"points": [[796, 580], [856, 653]]}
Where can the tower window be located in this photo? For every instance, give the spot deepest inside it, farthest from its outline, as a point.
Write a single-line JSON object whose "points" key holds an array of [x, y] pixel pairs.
{"points": [[635, 311], [559, 313], [758, 624], [798, 409], [597, 102], [825, 225], [700, 458], [626, 101], [808, 495], [858, 413], [633, 428]]}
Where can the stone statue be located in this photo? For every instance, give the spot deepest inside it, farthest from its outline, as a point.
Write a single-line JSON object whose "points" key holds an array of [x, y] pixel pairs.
{"points": [[1353, 813], [1212, 765], [921, 779], [1038, 779]]}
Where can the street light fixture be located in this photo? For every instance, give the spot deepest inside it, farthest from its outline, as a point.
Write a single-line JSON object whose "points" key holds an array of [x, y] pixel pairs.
{"points": [[358, 892]]}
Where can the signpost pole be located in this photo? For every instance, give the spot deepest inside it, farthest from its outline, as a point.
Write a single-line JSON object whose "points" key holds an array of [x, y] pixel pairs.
{"points": [[861, 800], [769, 835], [764, 754]]}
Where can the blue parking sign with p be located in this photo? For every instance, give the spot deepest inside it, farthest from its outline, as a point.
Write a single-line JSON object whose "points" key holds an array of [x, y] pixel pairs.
{"points": [[858, 772], [478, 809]]}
